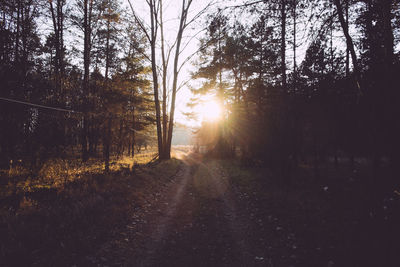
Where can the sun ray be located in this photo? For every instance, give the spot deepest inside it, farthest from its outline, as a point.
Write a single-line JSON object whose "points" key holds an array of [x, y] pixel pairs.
{"points": [[209, 111]]}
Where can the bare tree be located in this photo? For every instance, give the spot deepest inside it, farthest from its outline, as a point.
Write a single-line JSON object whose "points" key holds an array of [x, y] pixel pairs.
{"points": [[151, 35], [182, 25], [349, 42], [165, 131], [165, 60]]}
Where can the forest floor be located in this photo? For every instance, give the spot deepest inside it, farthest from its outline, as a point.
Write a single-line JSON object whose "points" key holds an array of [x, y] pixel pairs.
{"points": [[205, 212]]}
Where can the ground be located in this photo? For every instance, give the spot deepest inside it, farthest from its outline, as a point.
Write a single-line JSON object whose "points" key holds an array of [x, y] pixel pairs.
{"points": [[195, 220], [216, 213], [204, 212]]}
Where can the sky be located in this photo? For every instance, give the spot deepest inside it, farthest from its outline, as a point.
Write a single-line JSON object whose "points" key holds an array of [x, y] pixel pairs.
{"points": [[191, 41], [192, 35], [171, 14]]}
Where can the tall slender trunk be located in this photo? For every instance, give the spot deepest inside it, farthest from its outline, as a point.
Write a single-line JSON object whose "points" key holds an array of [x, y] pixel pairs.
{"points": [[294, 44], [133, 131], [260, 89], [24, 18], [107, 142], [92, 135], [17, 35], [283, 44], [60, 16], [182, 25], [107, 130], [86, 62], [120, 141], [107, 50], [349, 42], [173, 99], [351, 156], [57, 17], [153, 25], [164, 81], [295, 116], [84, 138], [347, 46], [331, 44], [56, 43], [4, 57]]}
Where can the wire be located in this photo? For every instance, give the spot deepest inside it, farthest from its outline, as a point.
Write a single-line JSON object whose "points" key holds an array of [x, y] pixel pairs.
{"points": [[38, 106], [59, 109]]}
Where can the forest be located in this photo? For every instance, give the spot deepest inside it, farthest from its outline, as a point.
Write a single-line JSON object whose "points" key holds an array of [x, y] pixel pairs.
{"points": [[293, 111]]}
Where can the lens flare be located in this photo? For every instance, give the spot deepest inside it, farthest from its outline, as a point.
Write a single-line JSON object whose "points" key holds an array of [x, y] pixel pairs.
{"points": [[210, 111]]}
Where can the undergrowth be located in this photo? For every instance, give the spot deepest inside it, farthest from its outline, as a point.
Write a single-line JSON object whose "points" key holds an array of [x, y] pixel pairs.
{"points": [[333, 216], [69, 209]]}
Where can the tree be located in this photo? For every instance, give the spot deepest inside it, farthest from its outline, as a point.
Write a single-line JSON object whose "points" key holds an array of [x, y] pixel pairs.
{"points": [[157, 21], [151, 35], [349, 41], [183, 24], [57, 17], [211, 67], [19, 48]]}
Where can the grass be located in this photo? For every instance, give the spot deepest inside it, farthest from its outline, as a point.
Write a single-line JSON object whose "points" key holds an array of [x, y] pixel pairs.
{"points": [[57, 172], [332, 216], [239, 175], [68, 209]]}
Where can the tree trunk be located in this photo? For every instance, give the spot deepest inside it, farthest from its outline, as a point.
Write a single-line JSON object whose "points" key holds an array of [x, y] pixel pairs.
{"points": [[86, 62], [56, 41], [84, 139], [164, 81], [349, 42], [91, 136], [107, 142], [133, 131], [347, 46], [107, 50], [182, 25], [294, 45], [58, 27], [60, 4], [17, 35], [283, 43], [120, 141], [153, 23]]}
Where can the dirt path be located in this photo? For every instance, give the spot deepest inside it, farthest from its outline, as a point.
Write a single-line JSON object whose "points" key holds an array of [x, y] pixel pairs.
{"points": [[195, 220]]}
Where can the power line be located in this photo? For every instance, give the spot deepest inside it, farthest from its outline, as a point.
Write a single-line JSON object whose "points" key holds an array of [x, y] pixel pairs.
{"points": [[38, 105], [57, 109], [245, 4]]}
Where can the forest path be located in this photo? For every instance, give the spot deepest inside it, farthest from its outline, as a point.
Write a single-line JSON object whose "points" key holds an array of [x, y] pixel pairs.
{"points": [[196, 220]]}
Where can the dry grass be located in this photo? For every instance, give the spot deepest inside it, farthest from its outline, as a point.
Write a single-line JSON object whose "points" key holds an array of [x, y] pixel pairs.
{"points": [[55, 173], [59, 216]]}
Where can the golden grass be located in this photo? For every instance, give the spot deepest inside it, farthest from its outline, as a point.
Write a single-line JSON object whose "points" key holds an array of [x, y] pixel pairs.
{"points": [[45, 211], [57, 172]]}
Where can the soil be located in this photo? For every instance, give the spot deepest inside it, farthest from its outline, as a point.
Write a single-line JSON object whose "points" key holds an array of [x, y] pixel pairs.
{"points": [[195, 221], [207, 212], [210, 214]]}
